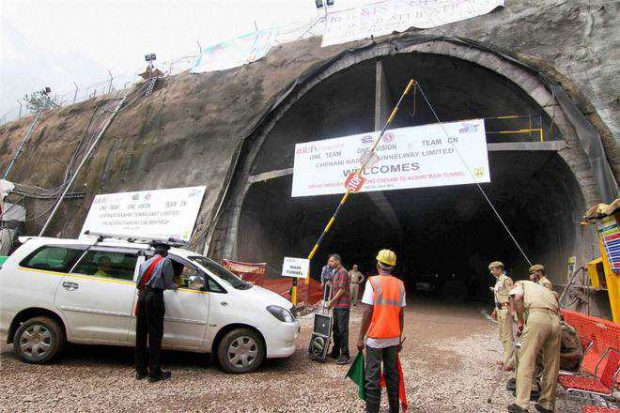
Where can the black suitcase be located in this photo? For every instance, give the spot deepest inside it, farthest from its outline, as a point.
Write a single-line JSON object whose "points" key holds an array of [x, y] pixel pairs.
{"points": [[322, 331]]}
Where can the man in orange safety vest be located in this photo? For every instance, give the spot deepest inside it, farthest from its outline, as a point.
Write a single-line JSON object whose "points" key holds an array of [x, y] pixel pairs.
{"points": [[382, 325]]}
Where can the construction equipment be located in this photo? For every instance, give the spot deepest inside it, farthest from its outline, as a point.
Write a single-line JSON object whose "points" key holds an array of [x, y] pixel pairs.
{"points": [[604, 272], [322, 330]]}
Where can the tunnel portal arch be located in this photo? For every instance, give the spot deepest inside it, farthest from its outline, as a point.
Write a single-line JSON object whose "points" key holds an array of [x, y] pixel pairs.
{"points": [[541, 190]]}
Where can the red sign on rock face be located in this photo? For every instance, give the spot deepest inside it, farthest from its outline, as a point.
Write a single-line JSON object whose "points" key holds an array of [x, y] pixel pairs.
{"points": [[354, 182]]}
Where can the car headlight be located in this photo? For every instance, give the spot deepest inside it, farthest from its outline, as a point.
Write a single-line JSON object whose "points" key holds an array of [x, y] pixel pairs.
{"points": [[281, 314]]}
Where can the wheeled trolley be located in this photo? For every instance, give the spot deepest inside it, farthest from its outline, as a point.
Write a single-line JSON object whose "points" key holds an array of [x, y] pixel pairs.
{"points": [[322, 330]]}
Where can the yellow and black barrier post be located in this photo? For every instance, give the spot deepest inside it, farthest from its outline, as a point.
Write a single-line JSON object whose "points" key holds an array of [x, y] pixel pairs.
{"points": [[345, 197]]}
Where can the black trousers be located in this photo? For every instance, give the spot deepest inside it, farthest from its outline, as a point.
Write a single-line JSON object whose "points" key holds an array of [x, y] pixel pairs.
{"points": [[374, 357], [150, 324], [341, 331]]}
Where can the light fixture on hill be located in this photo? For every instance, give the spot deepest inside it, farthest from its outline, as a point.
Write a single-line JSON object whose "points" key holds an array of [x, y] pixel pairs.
{"points": [[151, 71], [319, 3]]}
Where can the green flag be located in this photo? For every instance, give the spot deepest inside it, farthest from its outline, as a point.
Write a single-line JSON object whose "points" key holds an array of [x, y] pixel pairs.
{"points": [[356, 373]]}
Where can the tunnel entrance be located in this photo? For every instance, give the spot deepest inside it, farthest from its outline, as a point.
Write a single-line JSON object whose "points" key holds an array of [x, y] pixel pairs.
{"points": [[444, 236]]}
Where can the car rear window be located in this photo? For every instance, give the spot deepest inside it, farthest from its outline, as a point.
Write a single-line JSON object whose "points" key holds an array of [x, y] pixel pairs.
{"points": [[53, 258]]}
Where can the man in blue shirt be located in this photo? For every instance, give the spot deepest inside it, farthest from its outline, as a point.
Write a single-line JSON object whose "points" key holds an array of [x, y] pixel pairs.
{"points": [[156, 275], [327, 273]]}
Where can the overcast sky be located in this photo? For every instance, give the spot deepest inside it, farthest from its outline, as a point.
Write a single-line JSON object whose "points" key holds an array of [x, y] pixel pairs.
{"points": [[56, 42]]}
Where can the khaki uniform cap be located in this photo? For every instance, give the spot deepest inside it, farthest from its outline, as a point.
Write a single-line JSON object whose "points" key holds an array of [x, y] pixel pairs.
{"points": [[537, 267], [496, 264]]}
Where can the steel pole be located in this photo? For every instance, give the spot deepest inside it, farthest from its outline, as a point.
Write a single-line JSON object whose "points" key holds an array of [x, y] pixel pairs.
{"points": [[21, 145], [84, 159], [111, 82]]}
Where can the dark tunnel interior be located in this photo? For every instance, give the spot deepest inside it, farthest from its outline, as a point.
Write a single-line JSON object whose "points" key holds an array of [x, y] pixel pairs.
{"points": [[444, 236]]}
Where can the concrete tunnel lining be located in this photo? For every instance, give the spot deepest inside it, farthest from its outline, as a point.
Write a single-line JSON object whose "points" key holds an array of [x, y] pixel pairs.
{"points": [[565, 172]]}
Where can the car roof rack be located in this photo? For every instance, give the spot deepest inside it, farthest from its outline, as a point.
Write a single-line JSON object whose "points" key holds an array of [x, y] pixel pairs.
{"points": [[139, 239]]}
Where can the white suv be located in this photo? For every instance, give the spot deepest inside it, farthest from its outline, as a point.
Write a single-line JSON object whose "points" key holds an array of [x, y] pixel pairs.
{"points": [[57, 290]]}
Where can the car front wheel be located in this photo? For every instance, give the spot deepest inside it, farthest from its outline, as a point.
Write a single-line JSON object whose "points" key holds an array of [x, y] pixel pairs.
{"points": [[38, 340], [241, 351]]}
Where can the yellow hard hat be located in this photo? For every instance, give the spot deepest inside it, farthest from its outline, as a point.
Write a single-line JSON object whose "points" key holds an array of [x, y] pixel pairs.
{"points": [[387, 257], [496, 264]]}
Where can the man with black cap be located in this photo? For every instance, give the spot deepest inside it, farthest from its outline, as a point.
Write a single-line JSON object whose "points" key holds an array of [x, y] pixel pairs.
{"points": [[156, 275]]}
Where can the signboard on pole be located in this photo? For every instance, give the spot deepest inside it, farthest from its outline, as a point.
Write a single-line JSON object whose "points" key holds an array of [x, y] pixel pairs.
{"points": [[385, 17], [413, 157], [158, 213], [295, 267]]}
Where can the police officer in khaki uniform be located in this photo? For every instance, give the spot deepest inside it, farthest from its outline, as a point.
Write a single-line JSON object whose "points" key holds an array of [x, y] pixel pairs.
{"points": [[501, 313], [540, 331], [537, 275]]}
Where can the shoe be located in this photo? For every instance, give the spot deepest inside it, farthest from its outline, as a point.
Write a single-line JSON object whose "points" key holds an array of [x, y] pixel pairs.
{"points": [[511, 385], [342, 360], [333, 355], [542, 409], [164, 375], [140, 375], [534, 395], [515, 408]]}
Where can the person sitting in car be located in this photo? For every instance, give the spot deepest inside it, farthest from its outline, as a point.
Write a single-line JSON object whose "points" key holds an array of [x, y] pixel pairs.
{"points": [[104, 265]]}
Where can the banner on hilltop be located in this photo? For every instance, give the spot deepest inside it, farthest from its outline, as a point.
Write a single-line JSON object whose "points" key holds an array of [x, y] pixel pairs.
{"points": [[389, 16], [236, 52]]}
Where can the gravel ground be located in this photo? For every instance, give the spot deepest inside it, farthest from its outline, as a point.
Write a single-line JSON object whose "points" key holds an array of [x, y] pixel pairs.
{"points": [[448, 362]]}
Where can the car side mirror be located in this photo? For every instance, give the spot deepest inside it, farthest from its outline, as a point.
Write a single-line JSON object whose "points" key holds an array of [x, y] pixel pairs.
{"points": [[196, 282]]}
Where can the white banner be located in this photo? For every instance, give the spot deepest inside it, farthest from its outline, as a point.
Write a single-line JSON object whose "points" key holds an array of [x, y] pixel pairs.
{"points": [[295, 267], [413, 157], [237, 52], [389, 16], [159, 213]]}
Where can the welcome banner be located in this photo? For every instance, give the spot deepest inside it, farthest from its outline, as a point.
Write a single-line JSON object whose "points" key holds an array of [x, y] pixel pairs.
{"points": [[413, 157]]}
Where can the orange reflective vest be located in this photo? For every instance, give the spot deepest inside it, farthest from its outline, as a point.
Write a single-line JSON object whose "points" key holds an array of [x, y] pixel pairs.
{"points": [[388, 293]]}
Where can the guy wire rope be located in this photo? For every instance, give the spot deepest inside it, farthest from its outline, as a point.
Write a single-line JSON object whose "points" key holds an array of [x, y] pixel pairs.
{"points": [[345, 197], [484, 194]]}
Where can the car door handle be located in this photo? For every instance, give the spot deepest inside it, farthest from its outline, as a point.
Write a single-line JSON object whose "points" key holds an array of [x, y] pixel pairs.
{"points": [[224, 303], [70, 286]]}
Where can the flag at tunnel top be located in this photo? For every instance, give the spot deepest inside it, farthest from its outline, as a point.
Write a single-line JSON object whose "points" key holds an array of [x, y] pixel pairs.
{"points": [[356, 373], [453, 153]]}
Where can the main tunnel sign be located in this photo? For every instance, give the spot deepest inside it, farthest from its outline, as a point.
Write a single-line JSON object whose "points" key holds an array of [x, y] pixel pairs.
{"points": [[413, 157]]}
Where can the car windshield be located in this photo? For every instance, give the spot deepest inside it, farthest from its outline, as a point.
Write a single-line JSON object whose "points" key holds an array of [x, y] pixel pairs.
{"points": [[221, 272]]}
